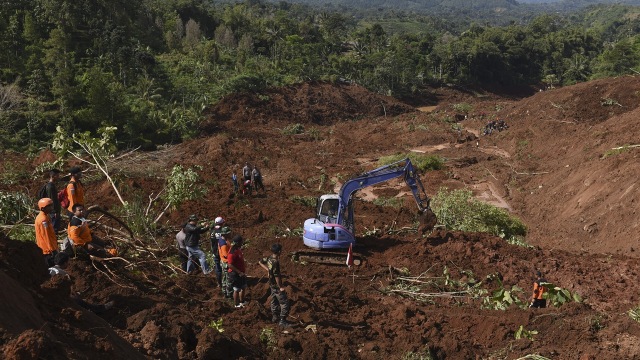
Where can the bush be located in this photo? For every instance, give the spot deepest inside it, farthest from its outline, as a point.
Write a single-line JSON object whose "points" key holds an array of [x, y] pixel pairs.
{"points": [[421, 162], [14, 206], [293, 129], [457, 210]]}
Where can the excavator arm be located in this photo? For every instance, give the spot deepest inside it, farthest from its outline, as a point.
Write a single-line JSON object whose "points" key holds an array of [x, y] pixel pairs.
{"points": [[333, 227], [397, 169]]}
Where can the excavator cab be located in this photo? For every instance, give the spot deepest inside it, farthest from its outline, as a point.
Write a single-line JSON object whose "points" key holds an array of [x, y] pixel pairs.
{"points": [[327, 208]]}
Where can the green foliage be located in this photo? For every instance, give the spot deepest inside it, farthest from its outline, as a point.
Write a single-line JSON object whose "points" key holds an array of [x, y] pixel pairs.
{"points": [[14, 207], [293, 129], [216, 325], [458, 210], [182, 185], [393, 202], [609, 102], [616, 151], [267, 337], [463, 108], [419, 355], [89, 65], [421, 162], [134, 213], [522, 333], [634, 313], [22, 232], [308, 201], [12, 174], [503, 298], [45, 167], [558, 296]]}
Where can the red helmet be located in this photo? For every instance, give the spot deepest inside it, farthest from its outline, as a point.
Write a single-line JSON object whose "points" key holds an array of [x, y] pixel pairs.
{"points": [[44, 202]]}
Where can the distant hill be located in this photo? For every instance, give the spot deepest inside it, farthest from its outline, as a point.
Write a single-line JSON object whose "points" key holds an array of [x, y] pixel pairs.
{"points": [[445, 6]]}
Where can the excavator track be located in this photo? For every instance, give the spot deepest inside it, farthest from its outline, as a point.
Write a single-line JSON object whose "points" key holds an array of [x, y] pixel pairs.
{"points": [[324, 257]]}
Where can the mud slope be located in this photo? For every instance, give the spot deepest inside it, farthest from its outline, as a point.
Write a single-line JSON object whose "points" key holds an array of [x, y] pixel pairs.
{"points": [[548, 167]]}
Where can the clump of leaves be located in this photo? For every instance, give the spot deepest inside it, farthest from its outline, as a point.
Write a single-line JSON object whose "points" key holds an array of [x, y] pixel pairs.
{"points": [[182, 185], [421, 162], [216, 325], [267, 337], [463, 108], [503, 298], [308, 201], [558, 296], [458, 210], [522, 333], [609, 102], [634, 313], [293, 129]]}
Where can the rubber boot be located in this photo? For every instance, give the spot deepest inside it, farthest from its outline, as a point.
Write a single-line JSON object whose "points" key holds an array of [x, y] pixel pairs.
{"points": [[284, 323]]}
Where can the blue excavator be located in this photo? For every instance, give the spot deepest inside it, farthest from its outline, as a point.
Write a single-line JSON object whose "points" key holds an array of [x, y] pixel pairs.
{"points": [[333, 226]]}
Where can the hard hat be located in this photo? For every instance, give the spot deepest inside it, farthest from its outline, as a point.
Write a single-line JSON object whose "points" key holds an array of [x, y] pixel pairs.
{"points": [[44, 202], [193, 217], [276, 248], [225, 230], [219, 220]]}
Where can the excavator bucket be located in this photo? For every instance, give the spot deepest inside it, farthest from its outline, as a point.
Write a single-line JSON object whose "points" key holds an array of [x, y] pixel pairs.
{"points": [[428, 221]]}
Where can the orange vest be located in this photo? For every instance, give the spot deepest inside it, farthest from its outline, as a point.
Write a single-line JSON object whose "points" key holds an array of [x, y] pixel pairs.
{"points": [[80, 235], [75, 192], [538, 291], [223, 251], [45, 235]]}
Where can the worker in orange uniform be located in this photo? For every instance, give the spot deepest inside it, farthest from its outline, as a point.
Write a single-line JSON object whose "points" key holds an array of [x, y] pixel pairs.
{"points": [[80, 234], [45, 234], [539, 289], [75, 189]]}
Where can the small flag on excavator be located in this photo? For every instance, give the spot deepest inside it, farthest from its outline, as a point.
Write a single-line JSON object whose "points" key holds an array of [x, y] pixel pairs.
{"points": [[350, 256]]}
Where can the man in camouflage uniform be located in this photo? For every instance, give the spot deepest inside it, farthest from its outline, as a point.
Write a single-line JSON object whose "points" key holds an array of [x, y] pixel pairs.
{"points": [[279, 301]]}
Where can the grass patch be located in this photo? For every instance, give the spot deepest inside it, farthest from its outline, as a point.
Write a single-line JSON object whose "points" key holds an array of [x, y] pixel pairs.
{"points": [[421, 162], [458, 210]]}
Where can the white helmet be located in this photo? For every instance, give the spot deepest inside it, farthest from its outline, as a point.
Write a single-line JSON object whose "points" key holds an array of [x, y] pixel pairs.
{"points": [[219, 220]]}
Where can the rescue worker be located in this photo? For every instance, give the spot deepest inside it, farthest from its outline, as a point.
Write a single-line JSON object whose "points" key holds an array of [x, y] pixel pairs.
{"points": [[236, 272], [256, 179], [215, 238], [51, 192], [45, 234], [538, 301], [182, 248], [246, 172], [75, 189], [279, 301], [234, 180], [192, 242], [79, 234], [223, 248]]}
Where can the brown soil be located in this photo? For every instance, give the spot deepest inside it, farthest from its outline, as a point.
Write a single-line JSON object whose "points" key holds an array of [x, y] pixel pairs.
{"points": [[553, 168]]}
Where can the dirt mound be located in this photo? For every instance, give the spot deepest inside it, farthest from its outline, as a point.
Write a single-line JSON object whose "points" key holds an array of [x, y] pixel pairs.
{"points": [[413, 294], [308, 103]]}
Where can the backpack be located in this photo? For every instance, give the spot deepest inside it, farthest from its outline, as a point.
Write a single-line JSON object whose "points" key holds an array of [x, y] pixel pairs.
{"points": [[63, 197], [42, 193]]}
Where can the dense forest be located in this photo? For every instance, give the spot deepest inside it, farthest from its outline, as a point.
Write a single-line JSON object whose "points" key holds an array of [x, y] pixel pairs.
{"points": [[150, 67]]}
